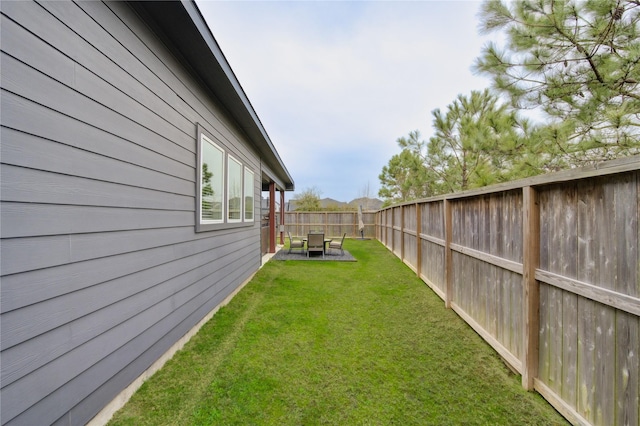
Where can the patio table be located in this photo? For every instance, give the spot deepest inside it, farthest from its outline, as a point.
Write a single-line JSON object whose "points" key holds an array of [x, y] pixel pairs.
{"points": [[326, 242]]}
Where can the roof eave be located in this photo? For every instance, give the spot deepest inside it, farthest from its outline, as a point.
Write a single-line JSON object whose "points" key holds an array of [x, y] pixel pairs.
{"points": [[183, 23]]}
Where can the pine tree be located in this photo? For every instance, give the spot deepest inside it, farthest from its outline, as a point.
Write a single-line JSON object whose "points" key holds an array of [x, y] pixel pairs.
{"points": [[477, 141], [579, 62], [405, 178]]}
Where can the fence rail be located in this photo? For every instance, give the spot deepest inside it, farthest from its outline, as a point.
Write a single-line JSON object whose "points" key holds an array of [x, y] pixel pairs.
{"points": [[546, 271]]}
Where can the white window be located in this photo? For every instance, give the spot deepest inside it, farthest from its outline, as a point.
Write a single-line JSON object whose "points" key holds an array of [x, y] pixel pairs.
{"points": [[248, 195], [225, 187], [234, 190], [211, 174]]}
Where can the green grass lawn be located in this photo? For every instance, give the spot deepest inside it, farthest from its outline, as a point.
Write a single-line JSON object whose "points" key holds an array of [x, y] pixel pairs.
{"points": [[336, 343]]}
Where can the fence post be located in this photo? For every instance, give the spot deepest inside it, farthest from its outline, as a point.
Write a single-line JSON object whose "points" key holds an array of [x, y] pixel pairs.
{"points": [[326, 223], [393, 225], [448, 268], [418, 239], [402, 232], [531, 293]]}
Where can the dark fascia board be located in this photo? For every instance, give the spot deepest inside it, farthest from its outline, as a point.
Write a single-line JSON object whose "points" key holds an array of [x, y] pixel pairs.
{"points": [[183, 24]]}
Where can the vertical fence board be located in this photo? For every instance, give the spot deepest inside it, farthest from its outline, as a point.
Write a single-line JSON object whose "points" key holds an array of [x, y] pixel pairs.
{"points": [[495, 248], [448, 258], [586, 307], [628, 369], [627, 384], [531, 295], [605, 329], [546, 206], [519, 321], [564, 226], [568, 267]]}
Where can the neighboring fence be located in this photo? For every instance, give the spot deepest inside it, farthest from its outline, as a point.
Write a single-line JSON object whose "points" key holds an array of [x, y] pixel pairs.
{"points": [[332, 224], [546, 271]]}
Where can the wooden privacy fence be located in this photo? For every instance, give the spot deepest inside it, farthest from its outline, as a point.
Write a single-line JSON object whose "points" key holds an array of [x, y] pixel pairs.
{"points": [[333, 224], [546, 271]]}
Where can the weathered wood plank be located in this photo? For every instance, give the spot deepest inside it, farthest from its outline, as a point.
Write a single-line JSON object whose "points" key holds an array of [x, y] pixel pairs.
{"points": [[561, 405], [605, 226], [626, 373], [589, 291], [562, 229], [488, 258], [419, 242], [546, 231], [514, 362], [531, 295], [568, 267], [544, 336], [494, 250], [627, 240], [506, 302], [432, 239], [448, 258], [587, 258], [517, 230]]}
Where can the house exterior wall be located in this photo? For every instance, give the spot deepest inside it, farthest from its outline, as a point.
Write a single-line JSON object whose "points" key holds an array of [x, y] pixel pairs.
{"points": [[102, 270]]}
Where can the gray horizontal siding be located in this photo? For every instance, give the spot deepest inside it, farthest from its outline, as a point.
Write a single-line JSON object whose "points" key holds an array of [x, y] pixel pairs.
{"points": [[46, 91], [95, 366], [40, 122], [27, 254], [101, 268], [94, 74], [88, 329], [20, 184], [21, 149], [51, 344], [28, 219], [136, 64], [31, 320]]}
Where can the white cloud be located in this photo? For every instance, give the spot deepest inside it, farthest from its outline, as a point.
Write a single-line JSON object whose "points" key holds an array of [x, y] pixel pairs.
{"points": [[336, 83]]}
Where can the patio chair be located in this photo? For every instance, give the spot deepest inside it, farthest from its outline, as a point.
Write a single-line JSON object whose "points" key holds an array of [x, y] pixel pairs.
{"points": [[315, 243], [338, 244], [295, 242]]}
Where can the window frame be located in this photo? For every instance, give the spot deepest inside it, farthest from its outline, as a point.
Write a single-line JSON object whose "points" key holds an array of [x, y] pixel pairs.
{"points": [[231, 159], [206, 140], [227, 156], [251, 185]]}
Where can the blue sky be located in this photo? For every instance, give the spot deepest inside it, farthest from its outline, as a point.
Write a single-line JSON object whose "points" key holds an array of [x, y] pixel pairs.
{"points": [[335, 84]]}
